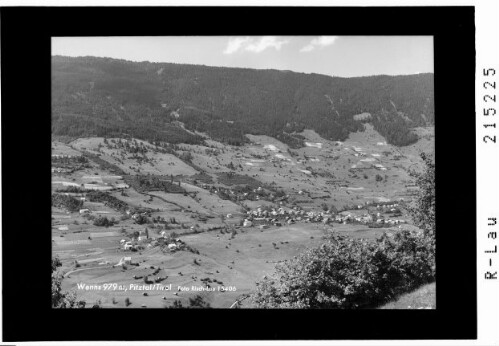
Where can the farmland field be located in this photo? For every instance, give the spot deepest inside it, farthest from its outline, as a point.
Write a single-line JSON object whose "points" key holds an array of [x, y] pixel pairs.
{"points": [[178, 185], [202, 216], [250, 255]]}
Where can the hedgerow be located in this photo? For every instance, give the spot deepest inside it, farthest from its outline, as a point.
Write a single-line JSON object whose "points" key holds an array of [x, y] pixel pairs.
{"points": [[70, 203]]}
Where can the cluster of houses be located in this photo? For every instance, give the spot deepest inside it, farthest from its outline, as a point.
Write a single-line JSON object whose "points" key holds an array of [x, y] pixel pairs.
{"points": [[387, 207], [367, 219], [172, 244], [278, 216], [127, 245]]}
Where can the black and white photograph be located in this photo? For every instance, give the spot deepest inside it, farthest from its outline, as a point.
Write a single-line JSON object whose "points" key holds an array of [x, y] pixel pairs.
{"points": [[243, 172]]}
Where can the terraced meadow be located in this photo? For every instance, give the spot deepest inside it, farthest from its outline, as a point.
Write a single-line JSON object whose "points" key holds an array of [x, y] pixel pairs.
{"points": [[184, 210]]}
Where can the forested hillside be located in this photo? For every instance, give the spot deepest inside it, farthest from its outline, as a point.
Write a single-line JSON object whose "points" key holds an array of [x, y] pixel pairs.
{"points": [[161, 101]]}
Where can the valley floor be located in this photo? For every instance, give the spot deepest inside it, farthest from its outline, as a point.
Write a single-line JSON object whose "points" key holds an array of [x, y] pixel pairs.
{"points": [[221, 260]]}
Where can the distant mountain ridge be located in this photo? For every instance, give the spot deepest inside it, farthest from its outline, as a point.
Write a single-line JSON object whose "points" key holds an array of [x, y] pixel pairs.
{"points": [[109, 97]]}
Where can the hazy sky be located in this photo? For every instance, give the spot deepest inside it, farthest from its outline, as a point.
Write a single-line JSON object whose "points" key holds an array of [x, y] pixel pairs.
{"points": [[343, 56]]}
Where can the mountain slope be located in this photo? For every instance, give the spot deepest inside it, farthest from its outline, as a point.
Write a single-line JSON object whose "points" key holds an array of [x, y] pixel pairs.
{"points": [[152, 101]]}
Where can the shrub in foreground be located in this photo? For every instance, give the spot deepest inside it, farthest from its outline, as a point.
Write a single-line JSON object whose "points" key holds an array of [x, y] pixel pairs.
{"points": [[61, 299], [346, 273]]}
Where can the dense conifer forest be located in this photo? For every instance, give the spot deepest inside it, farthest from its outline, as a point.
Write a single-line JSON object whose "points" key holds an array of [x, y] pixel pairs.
{"points": [[168, 102]]}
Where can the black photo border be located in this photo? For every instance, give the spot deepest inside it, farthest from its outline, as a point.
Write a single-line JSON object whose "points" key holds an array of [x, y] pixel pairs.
{"points": [[26, 133]]}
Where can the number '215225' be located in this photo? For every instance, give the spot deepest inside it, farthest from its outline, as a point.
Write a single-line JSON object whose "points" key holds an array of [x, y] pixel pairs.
{"points": [[490, 97]]}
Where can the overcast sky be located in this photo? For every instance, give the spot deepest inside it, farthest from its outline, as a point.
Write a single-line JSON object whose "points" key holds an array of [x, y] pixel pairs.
{"points": [[344, 56]]}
